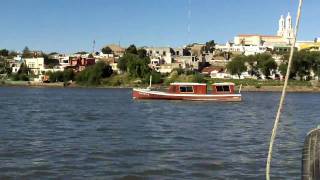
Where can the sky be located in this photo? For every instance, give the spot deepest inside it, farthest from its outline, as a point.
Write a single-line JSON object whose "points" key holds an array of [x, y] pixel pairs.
{"points": [[68, 26]]}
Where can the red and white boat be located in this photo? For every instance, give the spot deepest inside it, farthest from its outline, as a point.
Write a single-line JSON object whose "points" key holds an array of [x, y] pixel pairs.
{"points": [[192, 92]]}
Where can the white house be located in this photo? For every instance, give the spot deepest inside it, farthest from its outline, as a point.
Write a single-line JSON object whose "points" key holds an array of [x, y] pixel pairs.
{"points": [[36, 65], [242, 49], [164, 54]]}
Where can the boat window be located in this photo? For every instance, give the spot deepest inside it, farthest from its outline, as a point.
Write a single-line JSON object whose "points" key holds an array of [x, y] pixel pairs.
{"points": [[223, 88], [186, 89]]}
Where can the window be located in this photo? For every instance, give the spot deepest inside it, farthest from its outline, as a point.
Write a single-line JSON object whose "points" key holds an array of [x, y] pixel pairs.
{"points": [[223, 88], [186, 89]]}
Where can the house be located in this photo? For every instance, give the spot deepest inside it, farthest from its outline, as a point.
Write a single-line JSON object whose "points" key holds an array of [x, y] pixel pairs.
{"points": [[251, 49], [163, 54], [188, 62], [36, 65], [78, 63]]}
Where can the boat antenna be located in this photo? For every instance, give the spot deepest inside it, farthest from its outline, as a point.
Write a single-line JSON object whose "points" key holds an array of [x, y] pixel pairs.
{"points": [[283, 95]]}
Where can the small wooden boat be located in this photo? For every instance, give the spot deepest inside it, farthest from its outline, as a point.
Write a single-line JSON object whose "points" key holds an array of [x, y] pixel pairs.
{"points": [[192, 92]]}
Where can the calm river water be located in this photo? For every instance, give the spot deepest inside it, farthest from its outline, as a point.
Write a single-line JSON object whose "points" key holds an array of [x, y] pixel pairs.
{"points": [[104, 134]]}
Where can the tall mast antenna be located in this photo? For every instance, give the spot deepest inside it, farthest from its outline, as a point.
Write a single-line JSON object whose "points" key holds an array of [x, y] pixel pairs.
{"points": [[189, 22], [93, 46]]}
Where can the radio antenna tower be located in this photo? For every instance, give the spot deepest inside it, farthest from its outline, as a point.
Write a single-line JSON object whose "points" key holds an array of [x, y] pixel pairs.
{"points": [[189, 22], [93, 46]]}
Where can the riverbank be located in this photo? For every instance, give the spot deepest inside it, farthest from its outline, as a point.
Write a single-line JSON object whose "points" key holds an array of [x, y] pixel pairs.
{"points": [[279, 89], [248, 88]]}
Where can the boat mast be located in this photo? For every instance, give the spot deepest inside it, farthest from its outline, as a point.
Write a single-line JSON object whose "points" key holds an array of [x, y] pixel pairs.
{"points": [[283, 95], [150, 83]]}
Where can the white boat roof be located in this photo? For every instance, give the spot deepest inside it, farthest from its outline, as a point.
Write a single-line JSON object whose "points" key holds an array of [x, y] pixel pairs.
{"points": [[187, 84], [223, 84]]}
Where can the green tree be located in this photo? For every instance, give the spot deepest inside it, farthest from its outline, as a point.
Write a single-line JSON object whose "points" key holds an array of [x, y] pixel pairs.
{"points": [[252, 63], [26, 53], [156, 77], [265, 63], [4, 66], [123, 61], [142, 53], [131, 49], [106, 50], [68, 75], [210, 46], [4, 52], [93, 75], [237, 65], [133, 64]]}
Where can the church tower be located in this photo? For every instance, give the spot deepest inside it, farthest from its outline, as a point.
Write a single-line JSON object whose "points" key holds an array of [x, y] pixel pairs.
{"points": [[281, 26], [289, 33], [285, 28]]}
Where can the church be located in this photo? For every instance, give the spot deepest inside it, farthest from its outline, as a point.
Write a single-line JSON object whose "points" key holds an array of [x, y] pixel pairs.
{"points": [[284, 36]]}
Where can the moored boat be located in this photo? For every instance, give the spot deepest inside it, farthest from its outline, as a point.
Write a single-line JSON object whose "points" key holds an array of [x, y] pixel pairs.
{"points": [[192, 92]]}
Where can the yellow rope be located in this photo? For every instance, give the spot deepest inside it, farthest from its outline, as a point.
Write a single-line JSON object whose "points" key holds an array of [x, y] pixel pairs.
{"points": [[283, 95]]}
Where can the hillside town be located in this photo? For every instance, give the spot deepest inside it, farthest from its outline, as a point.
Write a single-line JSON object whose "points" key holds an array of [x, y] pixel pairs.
{"points": [[209, 59]]}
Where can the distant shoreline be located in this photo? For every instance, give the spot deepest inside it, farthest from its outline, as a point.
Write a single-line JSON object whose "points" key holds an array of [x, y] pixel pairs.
{"points": [[310, 89]]}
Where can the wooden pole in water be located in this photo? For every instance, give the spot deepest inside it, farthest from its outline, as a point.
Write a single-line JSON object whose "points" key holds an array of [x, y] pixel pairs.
{"points": [[283, 95]]}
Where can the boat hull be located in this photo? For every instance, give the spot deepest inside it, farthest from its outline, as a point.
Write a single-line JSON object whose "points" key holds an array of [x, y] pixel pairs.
{"points": [[158, 95]]}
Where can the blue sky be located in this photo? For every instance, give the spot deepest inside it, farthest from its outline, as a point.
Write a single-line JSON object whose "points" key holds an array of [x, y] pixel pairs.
{"points": [[71, 25]]}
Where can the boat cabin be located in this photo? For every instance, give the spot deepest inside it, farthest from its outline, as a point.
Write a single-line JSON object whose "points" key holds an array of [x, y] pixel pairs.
{"points": [[201, 88], [223, 88], [188, 88]]}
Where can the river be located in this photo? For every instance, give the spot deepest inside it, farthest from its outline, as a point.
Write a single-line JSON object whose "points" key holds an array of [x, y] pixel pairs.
{"points": [[83, 133]]}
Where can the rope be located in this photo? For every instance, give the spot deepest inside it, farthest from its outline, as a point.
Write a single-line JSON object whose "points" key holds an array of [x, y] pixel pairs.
{"points": [[283, 95]]}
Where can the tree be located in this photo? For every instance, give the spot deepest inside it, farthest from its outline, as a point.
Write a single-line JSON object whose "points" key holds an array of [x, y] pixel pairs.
{"points": [[237, 65], [283, 69], [26, 53], [210, 46], [94, 74], [132, 49], [106, 50], [4, 66], [135, 65], [265, 63], [252, 62], [4, 52], [142, 53]]}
